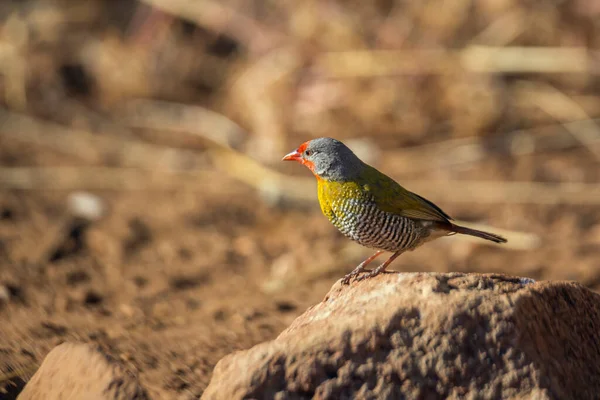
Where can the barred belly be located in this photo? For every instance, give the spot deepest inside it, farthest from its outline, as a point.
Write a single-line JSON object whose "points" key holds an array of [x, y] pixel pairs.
{"points": [[362, 221]]}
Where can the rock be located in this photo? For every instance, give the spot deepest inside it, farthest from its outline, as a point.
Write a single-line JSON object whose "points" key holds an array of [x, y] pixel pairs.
{"points": [[4, 294], [428, 336], [80, 371], [86, 205]]}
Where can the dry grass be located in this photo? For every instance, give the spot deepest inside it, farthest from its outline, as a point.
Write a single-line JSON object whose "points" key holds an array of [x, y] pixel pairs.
{"points": [[181, 110]]}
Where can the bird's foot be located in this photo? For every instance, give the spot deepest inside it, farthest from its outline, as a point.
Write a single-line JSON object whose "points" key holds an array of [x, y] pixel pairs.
{"points": [[348, 277], [368, 275], [360, 268], [376, 271]]}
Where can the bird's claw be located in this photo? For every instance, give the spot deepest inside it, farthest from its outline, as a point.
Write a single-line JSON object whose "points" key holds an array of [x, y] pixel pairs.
{"points": [[367, 275], [347, 278], [360, 268], [356, 275]]}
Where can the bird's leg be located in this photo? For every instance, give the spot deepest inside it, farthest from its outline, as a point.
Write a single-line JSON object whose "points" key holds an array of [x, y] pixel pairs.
{"points": [[381, 268], [360, 268]]}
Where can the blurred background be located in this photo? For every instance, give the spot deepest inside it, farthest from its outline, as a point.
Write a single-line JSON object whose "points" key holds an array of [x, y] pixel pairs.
{"points": [[143, 204]]}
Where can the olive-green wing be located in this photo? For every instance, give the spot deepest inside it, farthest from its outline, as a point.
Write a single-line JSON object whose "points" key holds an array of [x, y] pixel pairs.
{"points": [[393, 198]]}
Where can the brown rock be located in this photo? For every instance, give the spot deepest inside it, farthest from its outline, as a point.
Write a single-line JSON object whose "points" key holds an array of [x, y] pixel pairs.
{"points": [[429, 336], [80, 371]]}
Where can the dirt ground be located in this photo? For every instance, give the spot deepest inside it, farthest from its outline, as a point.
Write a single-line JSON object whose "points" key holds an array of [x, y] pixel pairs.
{"points": [[169, 281]]}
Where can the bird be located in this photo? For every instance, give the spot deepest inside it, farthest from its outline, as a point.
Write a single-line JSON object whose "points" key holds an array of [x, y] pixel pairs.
{"points": [[371, 208]]}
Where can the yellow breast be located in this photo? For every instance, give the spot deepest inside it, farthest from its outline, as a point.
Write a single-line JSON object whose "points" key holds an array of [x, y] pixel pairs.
{"points": [[333, 197]]}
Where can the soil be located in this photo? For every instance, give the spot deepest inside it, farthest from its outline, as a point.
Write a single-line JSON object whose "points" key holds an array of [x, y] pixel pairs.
{"points": [[171, 282]]}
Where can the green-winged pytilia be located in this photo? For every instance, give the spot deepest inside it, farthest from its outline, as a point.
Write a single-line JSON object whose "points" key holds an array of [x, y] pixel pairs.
{"points": [[371, 208]]}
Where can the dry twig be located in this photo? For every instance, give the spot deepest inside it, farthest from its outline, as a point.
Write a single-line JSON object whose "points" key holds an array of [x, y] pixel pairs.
{"points": [[540, 60], [182, 118], [91, 148], [563, 108], [217, 17], [479, 59], [503, 30]]}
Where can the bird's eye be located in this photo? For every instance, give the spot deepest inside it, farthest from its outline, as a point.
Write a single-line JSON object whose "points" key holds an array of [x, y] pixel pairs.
{"points": [[307, 153]]}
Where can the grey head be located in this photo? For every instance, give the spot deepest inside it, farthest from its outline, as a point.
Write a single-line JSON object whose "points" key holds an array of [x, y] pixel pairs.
{"points": [[331, 159]]}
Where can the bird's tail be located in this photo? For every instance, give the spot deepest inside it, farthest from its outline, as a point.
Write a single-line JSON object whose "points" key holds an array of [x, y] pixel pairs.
{"points": [[480, 234]]}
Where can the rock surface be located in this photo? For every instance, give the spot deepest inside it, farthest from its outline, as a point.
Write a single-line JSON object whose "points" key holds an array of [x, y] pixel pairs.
{"points": [[79, 371], [428, 336]]}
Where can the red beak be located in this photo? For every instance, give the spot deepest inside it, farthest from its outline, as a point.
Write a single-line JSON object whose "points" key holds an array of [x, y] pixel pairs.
{"points": [[293, 156]]}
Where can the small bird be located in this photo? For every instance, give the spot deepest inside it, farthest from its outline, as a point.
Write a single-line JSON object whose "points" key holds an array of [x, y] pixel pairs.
{"points": [[371, 208]]}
